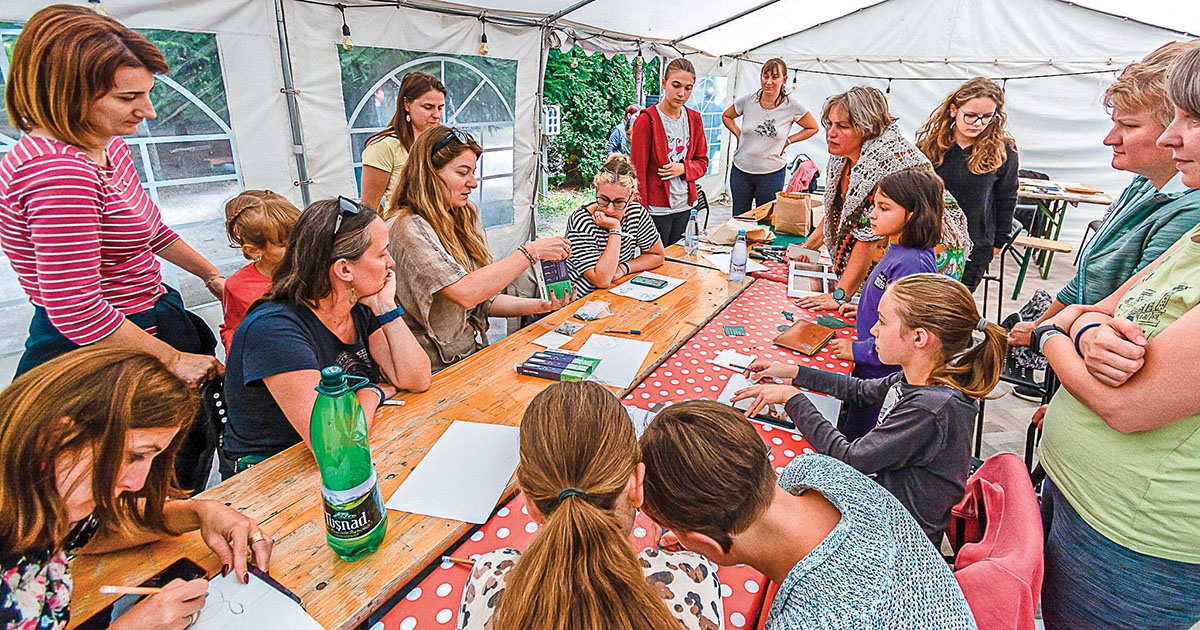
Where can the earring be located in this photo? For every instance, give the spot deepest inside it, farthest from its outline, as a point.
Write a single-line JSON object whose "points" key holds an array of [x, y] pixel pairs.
{"points": [[407, 118], [353, 296]]}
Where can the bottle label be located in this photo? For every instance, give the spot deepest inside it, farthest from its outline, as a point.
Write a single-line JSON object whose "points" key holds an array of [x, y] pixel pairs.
{"points": [[355, 513]]}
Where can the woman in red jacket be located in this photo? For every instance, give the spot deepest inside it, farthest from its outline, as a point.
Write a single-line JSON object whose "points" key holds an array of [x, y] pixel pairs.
{"points": [[670, 153]]}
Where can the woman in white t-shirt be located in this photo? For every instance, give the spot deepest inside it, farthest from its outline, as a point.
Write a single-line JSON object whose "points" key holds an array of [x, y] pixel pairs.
{"points": [[767, 116]]}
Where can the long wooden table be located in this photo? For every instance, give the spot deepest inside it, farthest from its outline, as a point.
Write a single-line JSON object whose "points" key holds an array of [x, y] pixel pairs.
{"points": [[1052, 199], [283, 493]]}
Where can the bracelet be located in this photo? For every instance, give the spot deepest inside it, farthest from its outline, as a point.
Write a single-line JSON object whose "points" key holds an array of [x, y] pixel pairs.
{"points": [[532, 260], [390, 316], [209, 282], [377, 389], [1079, 335], [627, 269]]}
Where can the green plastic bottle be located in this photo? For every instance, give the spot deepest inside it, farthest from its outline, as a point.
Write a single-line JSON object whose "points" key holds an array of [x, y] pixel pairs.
{"points": [[355, 516]]}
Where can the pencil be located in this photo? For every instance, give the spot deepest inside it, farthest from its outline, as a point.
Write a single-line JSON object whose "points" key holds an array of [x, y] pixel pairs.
{"points": [[128, 590], [466, 563]]}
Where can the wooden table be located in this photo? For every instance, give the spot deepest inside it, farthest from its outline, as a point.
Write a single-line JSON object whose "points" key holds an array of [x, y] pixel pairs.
{"points": [[283, 493], [1052, 199]]}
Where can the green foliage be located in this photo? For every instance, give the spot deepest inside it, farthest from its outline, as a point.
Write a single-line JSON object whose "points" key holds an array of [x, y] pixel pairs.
{"points": [[553, 209], [593, 96]]}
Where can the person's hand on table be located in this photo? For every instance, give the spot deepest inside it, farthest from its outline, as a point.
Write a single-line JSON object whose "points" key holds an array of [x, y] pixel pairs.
{"points": [[671, 170], [819, 302], [233, 537], [761, 369], [1113, 351], [848, 310], [1021, 334], [553, 249], [175, 607], [1039, 416], [764, 396], [195, 369], [842, 349]]}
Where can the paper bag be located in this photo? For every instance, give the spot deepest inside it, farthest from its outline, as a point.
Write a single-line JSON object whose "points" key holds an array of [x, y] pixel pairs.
{"points": [[758, 214], [793, 212], [726, 233]]}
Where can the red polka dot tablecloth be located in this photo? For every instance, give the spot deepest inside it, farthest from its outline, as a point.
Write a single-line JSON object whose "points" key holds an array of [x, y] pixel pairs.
{"points": [[686, 375]]}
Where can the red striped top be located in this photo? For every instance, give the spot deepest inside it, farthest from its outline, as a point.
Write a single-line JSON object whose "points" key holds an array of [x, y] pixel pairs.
{"points": [[81, 238]]}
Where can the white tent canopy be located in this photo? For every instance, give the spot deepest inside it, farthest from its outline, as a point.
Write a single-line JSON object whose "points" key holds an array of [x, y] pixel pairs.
{"points": [[1057, 57]]}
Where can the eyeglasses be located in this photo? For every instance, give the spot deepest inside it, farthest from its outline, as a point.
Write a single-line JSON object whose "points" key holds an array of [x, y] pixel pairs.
{"points": [[345, 207], [972, 119], [605, 202], [454, 134]]}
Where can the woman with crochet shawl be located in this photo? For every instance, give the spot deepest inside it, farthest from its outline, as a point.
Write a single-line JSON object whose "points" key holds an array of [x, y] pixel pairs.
{"points": [[865, 145]]}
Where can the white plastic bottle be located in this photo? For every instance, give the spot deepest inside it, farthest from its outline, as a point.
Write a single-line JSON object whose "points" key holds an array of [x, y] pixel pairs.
{"points": [[737, 259], [691, 236]]}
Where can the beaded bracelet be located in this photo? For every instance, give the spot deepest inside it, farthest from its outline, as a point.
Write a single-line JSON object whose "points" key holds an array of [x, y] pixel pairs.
{"points": [[528, 256]]}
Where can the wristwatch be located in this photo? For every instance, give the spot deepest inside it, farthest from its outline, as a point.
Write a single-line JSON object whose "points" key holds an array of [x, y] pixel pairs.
{"points": [[839, 295], [1040, 334]]}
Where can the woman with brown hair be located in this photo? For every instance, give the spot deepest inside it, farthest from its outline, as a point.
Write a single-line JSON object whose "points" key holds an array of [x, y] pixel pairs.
{"points": [[581, 474], [86, 445], [78, 228], [419, 106], [969, 147], [448, 283], [767, 119]]}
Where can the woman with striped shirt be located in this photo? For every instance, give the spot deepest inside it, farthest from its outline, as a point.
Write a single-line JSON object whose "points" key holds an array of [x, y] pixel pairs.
{"points": [[79, 230], [614, 235]]}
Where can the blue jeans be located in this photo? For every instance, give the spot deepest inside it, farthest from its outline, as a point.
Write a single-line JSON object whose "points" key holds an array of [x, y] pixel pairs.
{"points": [[751, 191], [1092, 582]]}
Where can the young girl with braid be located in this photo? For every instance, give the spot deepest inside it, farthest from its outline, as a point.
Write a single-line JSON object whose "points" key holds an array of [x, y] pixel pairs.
{"points": [[950, 358]]}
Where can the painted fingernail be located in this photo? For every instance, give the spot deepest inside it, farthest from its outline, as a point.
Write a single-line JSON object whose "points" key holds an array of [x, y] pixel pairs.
{"points": [[246, 578], [224, 570]]}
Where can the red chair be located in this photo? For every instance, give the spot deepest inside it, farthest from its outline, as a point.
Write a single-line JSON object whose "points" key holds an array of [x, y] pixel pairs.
{"points": [[996, 531]]}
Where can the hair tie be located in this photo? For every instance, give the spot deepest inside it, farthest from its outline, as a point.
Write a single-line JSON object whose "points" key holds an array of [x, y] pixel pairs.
{"points": [[572, 492], [982, 325]]}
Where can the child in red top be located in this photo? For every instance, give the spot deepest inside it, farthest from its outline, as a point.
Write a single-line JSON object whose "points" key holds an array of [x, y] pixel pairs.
{"points": [[260, 222]]}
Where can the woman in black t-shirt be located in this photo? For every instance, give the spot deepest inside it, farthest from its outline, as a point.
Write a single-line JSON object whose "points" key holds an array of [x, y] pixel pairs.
{"points": [[332, 303]]}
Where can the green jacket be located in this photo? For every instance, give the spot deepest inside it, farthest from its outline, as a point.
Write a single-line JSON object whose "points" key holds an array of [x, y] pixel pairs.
{"points": [[1137, 229]]}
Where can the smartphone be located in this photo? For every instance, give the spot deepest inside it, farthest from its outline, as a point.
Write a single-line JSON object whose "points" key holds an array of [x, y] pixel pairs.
{"points": [[646, 281]]}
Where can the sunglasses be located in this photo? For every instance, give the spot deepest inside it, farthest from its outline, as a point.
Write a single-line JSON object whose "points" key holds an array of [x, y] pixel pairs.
{"points": [[345, 207], [454, 134]]}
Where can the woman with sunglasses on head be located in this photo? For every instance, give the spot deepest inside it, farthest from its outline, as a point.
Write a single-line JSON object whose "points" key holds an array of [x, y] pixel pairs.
{"points": [[613, 236], [971, 150], [448, 283], [332, 302]]}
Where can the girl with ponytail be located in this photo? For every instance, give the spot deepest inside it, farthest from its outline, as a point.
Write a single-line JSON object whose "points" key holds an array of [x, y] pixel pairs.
{"points": [[581, 473], [950, 358]]}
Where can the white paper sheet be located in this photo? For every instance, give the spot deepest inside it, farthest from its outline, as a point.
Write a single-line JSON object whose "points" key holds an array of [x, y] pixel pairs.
{"points": [[620, 359], [463, 475], [721, 261], [552, 340], [829, 406], [232, 605], [644, 293], [732, 360]]}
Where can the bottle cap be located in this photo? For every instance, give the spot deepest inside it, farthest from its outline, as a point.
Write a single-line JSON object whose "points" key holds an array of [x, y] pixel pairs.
{"points": [[741, 232], [333, 382]]}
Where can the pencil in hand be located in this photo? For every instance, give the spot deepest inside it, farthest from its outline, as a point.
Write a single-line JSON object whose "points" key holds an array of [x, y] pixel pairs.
{"points": [[128, 590]]}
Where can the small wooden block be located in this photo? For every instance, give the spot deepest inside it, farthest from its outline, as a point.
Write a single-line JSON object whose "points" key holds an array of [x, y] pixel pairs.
{"points": [[1042, 243]]}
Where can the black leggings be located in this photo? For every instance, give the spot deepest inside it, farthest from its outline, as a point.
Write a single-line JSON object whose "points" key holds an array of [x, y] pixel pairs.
{"points": [[671, 226]]}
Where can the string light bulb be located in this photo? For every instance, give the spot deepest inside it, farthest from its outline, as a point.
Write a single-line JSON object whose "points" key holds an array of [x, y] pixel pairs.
{"points": [[483, 47], [347, 43], [574, 59]]}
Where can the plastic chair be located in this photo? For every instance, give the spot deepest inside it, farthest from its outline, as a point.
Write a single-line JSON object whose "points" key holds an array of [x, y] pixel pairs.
{"points": [[702, 205], [1092, 226], [996, 533]]}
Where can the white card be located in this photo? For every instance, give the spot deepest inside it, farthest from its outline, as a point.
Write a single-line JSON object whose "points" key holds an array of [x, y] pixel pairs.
{"points": [[233, 605], [645, 293], [552, 340], [463, 475], [721, 262], [732, 360], [829, 406], [620, 359]]}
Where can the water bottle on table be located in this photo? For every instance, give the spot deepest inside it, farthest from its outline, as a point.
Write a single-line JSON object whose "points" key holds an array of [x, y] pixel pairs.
{"points": [[355, 516], [737, 259], [691, 236]]}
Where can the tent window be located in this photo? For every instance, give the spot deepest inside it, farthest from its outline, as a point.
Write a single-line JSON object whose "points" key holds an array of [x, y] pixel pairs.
{"points": [[708, 98], [481, 93]]}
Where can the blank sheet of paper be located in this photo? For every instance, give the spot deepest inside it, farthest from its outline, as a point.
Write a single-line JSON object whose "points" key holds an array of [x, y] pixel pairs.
{"points": [[463, 475], [234, 606], [620, 359], [645, 293], [721, 262]]}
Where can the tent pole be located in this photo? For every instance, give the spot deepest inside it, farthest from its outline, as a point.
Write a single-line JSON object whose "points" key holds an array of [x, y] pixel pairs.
{"points": [[541, 179], [293, 105]]}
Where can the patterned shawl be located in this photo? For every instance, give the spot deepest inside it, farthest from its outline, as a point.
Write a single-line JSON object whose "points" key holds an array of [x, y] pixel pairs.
{"points": [[889, 153]]}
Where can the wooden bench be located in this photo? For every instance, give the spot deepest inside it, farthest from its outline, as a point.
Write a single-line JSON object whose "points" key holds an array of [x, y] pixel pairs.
{"points": [[1030, 244]]}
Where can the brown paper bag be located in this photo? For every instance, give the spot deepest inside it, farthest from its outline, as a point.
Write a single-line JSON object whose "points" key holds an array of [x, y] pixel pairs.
{"points": [[759, 213], [793, 212]]}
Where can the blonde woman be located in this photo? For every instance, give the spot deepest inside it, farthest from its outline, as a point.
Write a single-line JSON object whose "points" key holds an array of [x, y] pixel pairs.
{"points": [[613, 236], [446, 280], [969, 147]]}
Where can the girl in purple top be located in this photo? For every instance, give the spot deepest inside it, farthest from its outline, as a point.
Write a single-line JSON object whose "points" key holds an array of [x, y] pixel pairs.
{"points": [[908, 211]]}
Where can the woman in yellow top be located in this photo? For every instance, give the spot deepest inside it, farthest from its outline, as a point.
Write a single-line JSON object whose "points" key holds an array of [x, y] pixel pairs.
{"points": [[1122, 442], [419, 106]]}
